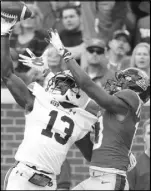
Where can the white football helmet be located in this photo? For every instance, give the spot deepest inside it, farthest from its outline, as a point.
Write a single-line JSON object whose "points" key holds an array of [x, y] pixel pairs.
{"points": [[64, 88]]}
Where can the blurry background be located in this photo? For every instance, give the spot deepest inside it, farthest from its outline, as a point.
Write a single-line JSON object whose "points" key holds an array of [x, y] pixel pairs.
{"points": [[103, 36]]}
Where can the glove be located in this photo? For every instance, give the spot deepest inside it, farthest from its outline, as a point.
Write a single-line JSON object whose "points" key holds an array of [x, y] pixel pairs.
{"points": [[54, 39], [6, 25], [33, 61], [132, 162]]}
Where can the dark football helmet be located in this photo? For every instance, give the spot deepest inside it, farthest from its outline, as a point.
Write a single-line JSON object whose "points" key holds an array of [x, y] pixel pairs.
{"points": [[64, 88], [130, 78]]}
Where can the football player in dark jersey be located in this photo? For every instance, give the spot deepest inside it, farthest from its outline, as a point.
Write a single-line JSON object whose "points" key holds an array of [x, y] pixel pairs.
{"points": [[122, 101]]}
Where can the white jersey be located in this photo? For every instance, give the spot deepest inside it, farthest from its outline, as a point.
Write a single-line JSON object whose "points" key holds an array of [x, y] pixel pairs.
{"points": [[50, 131]]}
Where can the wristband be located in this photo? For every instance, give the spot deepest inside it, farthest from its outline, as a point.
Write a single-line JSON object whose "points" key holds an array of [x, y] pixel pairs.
{"points": [[67, 55]]}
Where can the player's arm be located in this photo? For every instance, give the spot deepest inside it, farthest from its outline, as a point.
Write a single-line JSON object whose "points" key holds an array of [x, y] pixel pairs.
{"points": [[95, 92], [15, 85], [85, 145], [98, 94]]}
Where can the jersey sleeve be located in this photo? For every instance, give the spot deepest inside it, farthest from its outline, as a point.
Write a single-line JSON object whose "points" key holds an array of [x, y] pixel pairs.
{"points": [[131, 98]]}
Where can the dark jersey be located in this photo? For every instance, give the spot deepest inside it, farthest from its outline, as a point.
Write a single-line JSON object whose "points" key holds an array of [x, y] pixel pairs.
{"points": [[113, 139]]}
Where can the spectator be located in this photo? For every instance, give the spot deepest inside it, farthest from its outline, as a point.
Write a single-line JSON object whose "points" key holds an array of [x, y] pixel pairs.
{"points": [[64, 179], [143, 30], [118, 51], [102, 18], [28, 35], [53, 60], [138, 10], [51, 11], [143, 24], [111, 16], [141, 57], [139, 176], [96, 63], [71, 36], [136, 7]]}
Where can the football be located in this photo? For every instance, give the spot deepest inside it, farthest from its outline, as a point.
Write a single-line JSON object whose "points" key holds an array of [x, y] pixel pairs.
{"points": [[11, 9]]}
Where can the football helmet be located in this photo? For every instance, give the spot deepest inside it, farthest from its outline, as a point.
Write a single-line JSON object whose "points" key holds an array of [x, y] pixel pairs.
{"points": [[130, 78], [64, 89]]}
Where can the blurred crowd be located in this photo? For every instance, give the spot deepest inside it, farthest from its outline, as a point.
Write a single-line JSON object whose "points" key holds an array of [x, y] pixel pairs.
{"points": [[103, 37]]}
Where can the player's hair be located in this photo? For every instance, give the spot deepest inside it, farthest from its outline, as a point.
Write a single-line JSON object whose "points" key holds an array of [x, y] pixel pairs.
{"points": [[145, 125], [70, 7]]}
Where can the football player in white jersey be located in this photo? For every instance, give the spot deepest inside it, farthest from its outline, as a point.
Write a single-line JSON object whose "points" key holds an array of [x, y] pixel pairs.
{"points": [[55, 119]]}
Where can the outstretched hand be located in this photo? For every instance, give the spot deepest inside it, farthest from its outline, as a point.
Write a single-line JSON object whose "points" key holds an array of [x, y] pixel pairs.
{"points": [[55, 40], [33, 61]]}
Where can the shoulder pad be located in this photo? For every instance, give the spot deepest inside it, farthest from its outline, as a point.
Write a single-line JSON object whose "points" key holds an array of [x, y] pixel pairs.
{"points": [[130, 97]]}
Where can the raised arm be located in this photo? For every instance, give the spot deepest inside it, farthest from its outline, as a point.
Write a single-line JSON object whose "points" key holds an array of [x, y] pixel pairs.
{"points": [[15, 85], [98, 94]]}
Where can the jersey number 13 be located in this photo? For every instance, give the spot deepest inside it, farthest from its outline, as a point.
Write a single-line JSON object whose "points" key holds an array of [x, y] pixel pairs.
{"points": [[47, 132]]}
